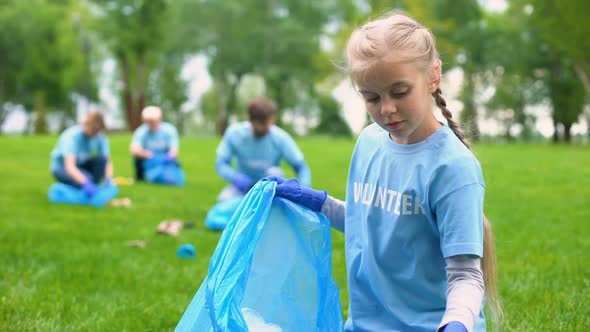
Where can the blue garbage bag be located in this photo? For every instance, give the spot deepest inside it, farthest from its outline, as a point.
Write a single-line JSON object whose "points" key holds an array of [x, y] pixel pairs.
{"points": [[220, 214], [67, 194], [158, 170], [271, 270]]}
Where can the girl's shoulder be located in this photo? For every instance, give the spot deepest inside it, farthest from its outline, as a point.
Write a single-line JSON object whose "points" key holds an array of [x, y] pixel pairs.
{"points": [[454, 155], [456, 167]]}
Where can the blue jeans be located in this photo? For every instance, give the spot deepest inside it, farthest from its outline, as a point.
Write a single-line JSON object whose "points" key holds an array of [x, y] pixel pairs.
{"points": [[93, 169], [139, 169]]}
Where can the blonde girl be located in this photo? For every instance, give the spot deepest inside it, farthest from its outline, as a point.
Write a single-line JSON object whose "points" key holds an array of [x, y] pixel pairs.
{"points": [[419, 252]]}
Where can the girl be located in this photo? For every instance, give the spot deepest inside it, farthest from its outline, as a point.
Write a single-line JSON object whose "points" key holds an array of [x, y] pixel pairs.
{"points": [[418, 247]]}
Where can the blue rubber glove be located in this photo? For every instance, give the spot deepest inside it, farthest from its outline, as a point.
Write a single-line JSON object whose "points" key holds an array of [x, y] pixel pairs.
{"points": [[296, 192], [169, 158], [89, 187], [242, 182], [454, 326]]}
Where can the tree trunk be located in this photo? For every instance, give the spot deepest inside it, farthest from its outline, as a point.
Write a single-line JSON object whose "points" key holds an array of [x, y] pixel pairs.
{"points": [[567, 132], [555, 131], [583, 77], [4, 114], [179, 122], [279, 101], [126, 93], [469, 114], [227, 105], [140, 92], [3, 111], [222, 115], [40, 125]]}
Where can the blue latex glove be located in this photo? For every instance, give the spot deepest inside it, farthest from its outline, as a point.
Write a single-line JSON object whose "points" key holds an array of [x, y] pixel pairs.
{"points": [[296, 192], [454, 326], [169, 158], [89, 187], [242, 182]]}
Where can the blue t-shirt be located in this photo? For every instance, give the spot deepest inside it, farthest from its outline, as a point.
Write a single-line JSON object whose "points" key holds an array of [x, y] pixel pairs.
{"points": [[254, 156], [160, 141], [408, 207], [73, 142]]}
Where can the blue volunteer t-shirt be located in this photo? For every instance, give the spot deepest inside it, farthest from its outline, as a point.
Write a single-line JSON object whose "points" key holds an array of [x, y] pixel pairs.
{"points": [[73, 142], [254, 156], [160, 141], [408, 207]]}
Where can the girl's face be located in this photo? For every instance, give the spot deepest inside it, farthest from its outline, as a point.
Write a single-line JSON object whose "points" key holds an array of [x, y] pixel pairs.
{"points": [[398, 98]]}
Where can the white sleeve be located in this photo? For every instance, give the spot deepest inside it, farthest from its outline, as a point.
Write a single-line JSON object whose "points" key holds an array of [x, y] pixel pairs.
{"points": [[465, 290], [335, 210]]}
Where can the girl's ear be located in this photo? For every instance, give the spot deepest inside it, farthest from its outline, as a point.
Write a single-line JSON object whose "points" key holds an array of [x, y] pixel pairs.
{"points": [[435, 76]]}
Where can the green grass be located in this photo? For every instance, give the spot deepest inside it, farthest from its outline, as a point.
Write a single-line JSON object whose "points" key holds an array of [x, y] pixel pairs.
{"points": [[67, 268]]}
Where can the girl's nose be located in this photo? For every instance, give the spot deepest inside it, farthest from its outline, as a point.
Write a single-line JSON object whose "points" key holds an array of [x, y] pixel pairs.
{"points": [[388, 106]]}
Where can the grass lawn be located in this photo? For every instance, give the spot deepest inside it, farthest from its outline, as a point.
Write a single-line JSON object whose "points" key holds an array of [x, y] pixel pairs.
{"points": [[68, 268]]}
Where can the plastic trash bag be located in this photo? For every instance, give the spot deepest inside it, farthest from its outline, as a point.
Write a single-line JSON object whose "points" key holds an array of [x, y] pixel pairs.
{"points": [[271, 271], [63, 193], [158, 170], [220, 214]]}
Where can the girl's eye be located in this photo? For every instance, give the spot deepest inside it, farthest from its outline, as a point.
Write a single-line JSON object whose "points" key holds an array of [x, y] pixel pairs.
{"points": [[400, 92], [372, 99]]}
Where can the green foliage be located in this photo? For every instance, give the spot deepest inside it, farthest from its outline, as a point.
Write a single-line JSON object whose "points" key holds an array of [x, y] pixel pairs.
{"points": [[517, 62], [567, 96], [564, 25], [41, 56], [210, 104], [331, 121], [277, 40]]}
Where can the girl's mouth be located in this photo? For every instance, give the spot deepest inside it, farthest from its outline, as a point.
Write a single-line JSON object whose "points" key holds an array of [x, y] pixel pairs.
{"points": [[394, 124]]}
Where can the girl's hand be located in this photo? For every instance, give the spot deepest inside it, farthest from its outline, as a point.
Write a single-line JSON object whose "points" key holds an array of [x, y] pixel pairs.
{"points": [[454, 326], [296, 192]]}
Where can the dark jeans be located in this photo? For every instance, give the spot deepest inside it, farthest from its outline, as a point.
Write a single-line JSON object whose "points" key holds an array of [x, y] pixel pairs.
{"points": [[139, 170], [93, 168]]}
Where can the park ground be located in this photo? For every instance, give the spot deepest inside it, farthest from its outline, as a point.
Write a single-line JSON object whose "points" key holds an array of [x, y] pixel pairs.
{"points": [[68, 268]]}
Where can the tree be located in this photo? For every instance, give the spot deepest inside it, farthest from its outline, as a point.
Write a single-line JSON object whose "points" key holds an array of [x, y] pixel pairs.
{"points": [[567, 97], [331, 122], [517, 60], [275, 39], [49, 64], [570, 17], [168, 89], [133, 31]]}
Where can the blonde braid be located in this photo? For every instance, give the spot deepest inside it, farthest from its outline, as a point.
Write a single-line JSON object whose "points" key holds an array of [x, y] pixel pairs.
{"points": [[442, 104]]}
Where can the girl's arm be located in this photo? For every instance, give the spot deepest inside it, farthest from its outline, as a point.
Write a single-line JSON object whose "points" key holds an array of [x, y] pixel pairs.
{"points": [[465, 291], [335, 210]]}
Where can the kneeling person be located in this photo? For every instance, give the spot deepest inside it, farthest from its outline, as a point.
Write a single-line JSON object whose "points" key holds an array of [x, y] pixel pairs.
{"points": [[151, 138], [258, 146], [81, 157]]}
